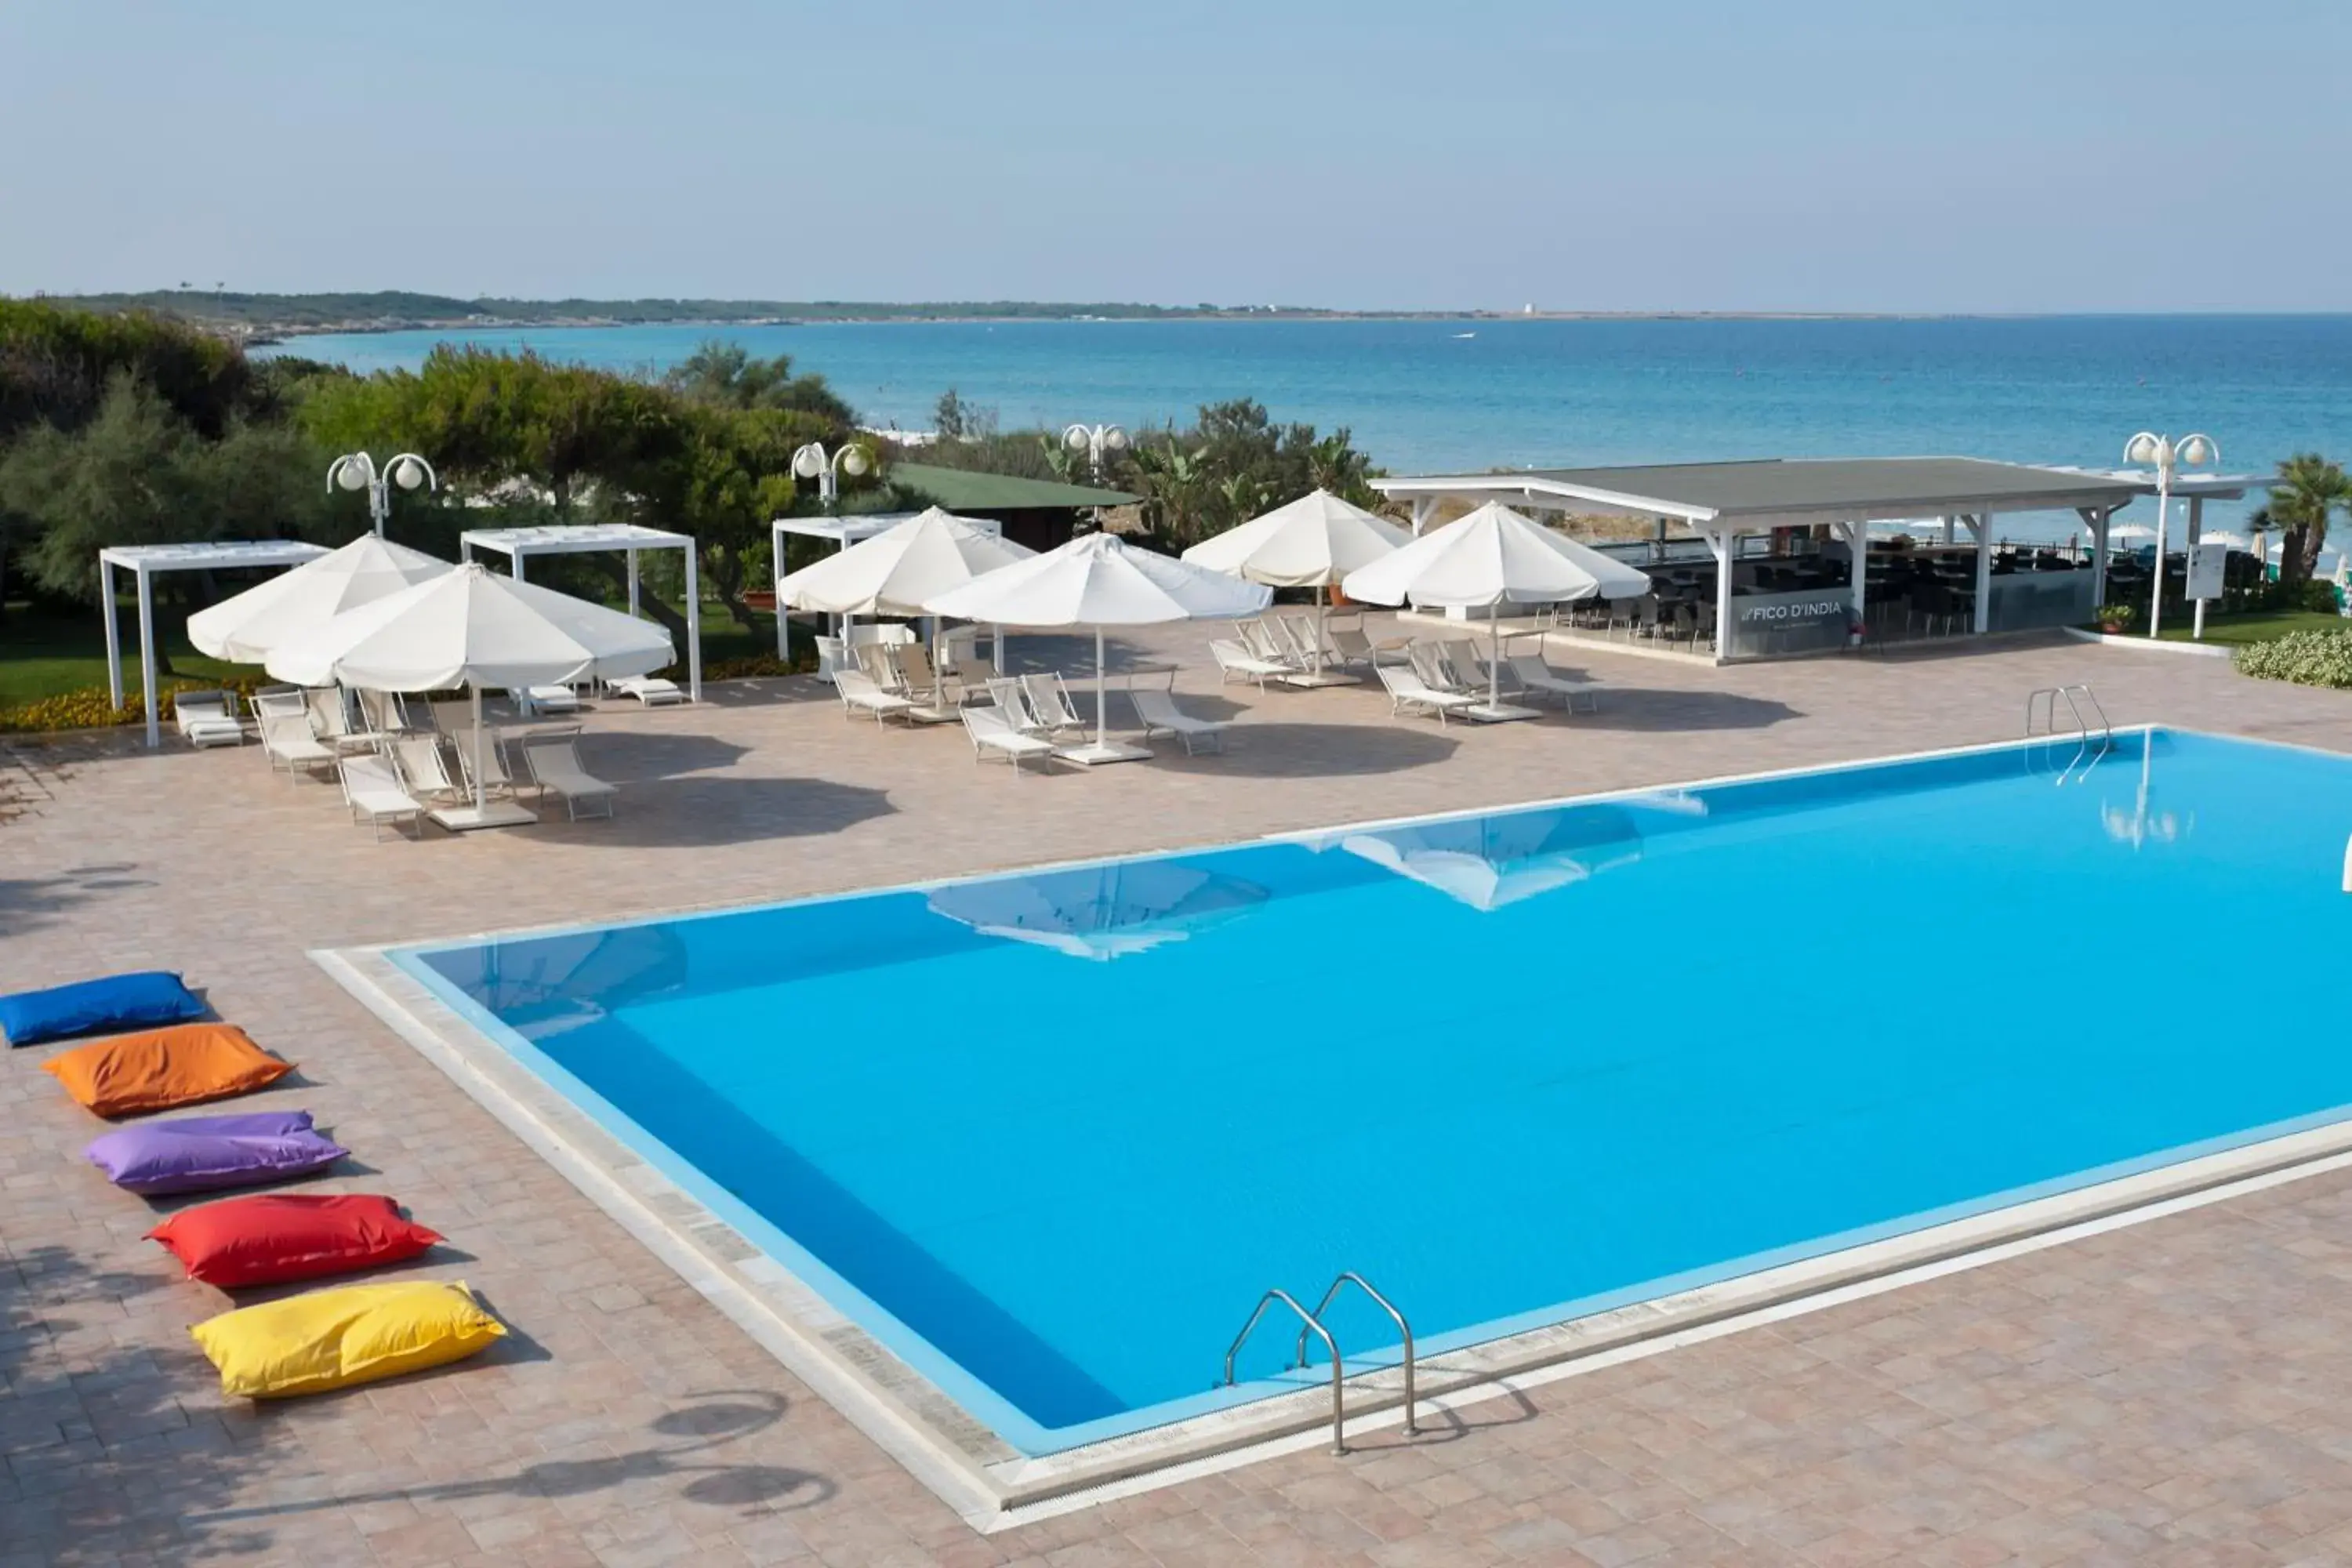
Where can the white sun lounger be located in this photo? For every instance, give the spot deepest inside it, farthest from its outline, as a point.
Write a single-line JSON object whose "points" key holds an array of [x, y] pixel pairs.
{"points": [[1049, 704], [1234, 660], [424, 768], [555, 764], [1012, 704], [288, 742], [1536, 676], [860, 694], [498, 780], [992, 735], [1408, 693], [375, 796], [208, 717], [653, 690], [1160, 716], [1264, 641], [533, 700]]}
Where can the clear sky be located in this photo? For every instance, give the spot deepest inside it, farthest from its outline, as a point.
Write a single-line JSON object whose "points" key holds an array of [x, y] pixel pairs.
{"points": [[1636, 154]]}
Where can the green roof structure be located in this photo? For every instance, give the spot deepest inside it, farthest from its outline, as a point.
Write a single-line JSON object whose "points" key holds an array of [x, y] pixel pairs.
{"points": [[966, 489]]}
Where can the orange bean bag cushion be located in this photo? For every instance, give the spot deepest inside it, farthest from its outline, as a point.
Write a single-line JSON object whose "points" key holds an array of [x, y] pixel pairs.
{"points": [[183, 1064]]}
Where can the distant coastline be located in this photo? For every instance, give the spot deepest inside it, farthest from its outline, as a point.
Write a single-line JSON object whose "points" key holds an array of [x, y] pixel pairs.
{"points": [[265, 319]]}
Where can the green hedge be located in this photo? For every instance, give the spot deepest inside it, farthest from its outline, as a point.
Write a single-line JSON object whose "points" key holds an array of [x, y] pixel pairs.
{"points": [[2307, 659]]}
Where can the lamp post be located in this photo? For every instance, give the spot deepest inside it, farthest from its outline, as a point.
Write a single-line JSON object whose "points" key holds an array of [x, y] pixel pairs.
{"points": [[357, 471], [1095, 440], [813, 462], [2166, 455]]}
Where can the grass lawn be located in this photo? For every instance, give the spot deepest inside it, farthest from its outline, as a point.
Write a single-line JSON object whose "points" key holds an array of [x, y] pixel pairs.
{"points": [[45, 652], [2251, 627]]}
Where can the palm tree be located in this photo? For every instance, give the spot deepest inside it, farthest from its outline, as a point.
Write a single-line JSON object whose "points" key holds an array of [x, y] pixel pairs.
{"points": [[1172, 480], [2307, 490], [1242, 496]]}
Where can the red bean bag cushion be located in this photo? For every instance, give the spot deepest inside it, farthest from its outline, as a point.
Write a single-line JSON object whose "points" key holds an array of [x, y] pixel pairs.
{"points": [[271, 1236]]}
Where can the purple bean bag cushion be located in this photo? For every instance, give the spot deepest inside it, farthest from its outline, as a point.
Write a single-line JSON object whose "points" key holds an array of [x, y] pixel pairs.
{"points": [[199, 1153]]}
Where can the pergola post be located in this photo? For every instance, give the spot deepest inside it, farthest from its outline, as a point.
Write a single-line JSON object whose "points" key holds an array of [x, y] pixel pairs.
{"points": [[633, 581], [1950, 531], [114, 633], [147, 655], [1424, 509], [2098, 518], [514, 560], [776, 576], [1722, 542], [1981, 524], [1858, 537], [693, 625]]}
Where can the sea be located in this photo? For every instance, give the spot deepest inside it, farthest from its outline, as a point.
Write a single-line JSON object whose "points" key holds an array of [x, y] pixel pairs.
{"points": [[1449, 395]]}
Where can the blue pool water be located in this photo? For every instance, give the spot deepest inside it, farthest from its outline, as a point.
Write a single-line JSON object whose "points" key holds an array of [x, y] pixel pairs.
{"points": [[1049, 1136]]}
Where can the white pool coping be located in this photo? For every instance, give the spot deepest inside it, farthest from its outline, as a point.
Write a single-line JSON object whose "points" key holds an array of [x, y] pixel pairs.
{"points": [[993, 1486]]}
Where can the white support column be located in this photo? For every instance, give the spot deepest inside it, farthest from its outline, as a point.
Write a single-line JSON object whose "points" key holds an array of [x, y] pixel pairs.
{"points": [[1981, 525], [147, 656], [1723, 543], [517, 558], [776, 576], [693, 628], [1424, 509], [1858, 538], [2196, 532], [632, 581], [465, 549], [113, 633], [1949, 531]]}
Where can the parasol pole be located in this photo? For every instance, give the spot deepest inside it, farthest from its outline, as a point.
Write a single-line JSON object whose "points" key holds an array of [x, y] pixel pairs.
{"points": [[1102, 690], [480, 799], [1495, 654], [1322, 622]]}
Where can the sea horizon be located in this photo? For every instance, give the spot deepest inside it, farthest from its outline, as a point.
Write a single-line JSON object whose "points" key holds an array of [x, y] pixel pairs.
{"points": [[1424, 394]]}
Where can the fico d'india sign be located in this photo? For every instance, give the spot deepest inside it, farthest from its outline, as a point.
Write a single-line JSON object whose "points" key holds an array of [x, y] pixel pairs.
{"points": [[1804, 622]]}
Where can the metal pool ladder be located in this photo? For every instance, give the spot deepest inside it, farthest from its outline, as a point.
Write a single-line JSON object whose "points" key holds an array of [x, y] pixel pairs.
{"points": [[2041, 720], [1312, 1323]]}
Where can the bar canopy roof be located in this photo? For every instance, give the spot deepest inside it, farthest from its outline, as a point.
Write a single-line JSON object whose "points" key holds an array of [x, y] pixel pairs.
{"points": [[1786, 492]]}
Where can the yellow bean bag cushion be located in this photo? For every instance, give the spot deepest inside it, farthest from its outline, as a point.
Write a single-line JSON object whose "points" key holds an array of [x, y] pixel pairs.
{"points": [[186, 1064], [336, 1339]]}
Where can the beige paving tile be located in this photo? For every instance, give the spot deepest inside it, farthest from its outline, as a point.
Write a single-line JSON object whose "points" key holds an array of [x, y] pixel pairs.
{"points": [[2175, 1392]]}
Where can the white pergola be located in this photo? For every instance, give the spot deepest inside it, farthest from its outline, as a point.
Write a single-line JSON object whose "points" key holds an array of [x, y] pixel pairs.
{"points": [[143, 561], [518, 544], [1725, 503], [841, 532]]}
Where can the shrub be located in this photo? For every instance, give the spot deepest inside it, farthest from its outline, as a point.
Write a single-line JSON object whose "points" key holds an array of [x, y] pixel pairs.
{"points": [[748, 667], [2307, 659], [91, 709]]}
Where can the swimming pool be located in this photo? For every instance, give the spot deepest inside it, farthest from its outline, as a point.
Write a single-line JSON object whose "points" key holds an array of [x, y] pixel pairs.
{"points": [[1047, 1137]]}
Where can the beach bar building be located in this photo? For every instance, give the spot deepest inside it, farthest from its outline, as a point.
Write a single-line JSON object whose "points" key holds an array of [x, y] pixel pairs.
{"points": [[1796, 555]]}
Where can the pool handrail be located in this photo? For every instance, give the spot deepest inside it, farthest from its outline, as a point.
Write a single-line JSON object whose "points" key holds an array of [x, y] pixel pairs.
{"points": [[1350, 1277], [1338, 1377]]}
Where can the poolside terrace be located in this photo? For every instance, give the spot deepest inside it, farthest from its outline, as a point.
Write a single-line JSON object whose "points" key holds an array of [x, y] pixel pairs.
{"points": [[2171, 1392]]}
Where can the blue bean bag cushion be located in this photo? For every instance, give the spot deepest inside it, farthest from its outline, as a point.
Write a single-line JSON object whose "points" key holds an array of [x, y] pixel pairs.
{"points": [[117, 1002]]}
